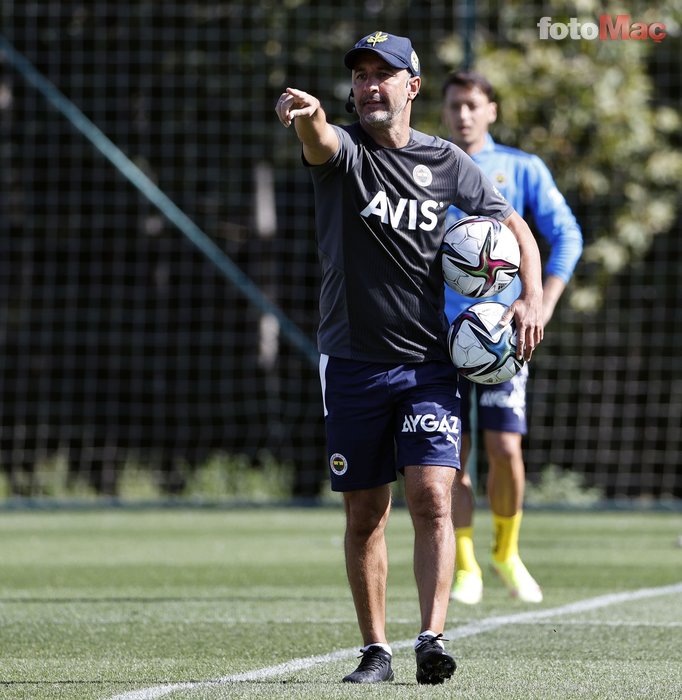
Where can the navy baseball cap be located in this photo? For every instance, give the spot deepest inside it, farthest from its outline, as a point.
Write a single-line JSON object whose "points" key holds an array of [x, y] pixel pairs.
{"points": [[397, 51]]}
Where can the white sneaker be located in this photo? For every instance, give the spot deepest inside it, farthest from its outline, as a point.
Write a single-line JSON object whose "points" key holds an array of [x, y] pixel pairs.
{"points": [[468, 588], [518, 581]]}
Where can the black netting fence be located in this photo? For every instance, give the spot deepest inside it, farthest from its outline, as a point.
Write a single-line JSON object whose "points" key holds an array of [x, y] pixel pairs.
{"points": [[121, 340]]}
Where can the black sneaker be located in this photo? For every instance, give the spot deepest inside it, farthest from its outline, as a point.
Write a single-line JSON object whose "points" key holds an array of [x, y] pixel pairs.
{"points": [[434, 664], [375, 667]]}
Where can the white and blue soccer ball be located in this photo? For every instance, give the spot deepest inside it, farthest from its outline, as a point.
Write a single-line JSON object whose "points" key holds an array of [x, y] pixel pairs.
{"points": [[481, 349], [480, 256]]}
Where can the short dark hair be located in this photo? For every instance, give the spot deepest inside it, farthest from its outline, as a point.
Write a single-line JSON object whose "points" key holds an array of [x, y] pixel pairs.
{"points": [[470, 79]]}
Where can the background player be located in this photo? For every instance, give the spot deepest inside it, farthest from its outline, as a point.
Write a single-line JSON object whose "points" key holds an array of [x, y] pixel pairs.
{"points": [[469, 108]]}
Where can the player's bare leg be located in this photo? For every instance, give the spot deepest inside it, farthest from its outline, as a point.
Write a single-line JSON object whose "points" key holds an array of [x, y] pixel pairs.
{"points": [[463, 501], [506, 484], [507, 473], [468, 585], [367, 559], [428, 491]]}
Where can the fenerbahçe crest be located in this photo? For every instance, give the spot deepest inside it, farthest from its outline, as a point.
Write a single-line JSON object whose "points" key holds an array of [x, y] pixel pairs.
{"points": [[338, 464]]}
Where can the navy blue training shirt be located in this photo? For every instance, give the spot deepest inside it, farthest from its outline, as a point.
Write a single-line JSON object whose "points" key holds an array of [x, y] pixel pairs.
{"points": [[380, 216]]}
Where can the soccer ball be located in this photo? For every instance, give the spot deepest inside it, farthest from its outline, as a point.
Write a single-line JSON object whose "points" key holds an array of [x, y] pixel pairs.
{"points": [[481, 349], [480, 256]]}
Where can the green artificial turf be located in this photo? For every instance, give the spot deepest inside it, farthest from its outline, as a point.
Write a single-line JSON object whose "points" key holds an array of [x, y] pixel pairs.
{"points": [[120, 603]]}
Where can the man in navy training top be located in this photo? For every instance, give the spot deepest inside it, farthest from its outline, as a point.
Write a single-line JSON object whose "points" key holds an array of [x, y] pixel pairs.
{"points": [[389, 389], [469, 108]]}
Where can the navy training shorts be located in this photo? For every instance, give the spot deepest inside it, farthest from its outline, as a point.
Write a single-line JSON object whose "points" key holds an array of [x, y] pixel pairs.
{"points": [[383, 417], [501, 407]]}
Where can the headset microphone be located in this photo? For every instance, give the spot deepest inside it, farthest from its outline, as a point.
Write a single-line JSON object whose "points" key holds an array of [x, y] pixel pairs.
{"points": [[350, 103]]}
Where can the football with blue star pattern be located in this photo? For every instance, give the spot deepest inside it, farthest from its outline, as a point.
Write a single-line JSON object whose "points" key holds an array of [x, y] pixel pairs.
{"points": [[481, 349]]}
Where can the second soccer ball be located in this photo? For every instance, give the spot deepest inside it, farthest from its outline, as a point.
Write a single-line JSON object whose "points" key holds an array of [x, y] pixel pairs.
{"points": [[482, 350]]}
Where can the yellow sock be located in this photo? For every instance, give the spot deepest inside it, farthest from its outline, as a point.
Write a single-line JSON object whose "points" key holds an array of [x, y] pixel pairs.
{"points": [[506, 542], [464, 555]]}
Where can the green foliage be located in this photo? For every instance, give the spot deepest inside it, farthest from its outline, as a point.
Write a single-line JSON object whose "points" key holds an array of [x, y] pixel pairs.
{"points": [[222, 477], [234, 477], [137, 482], [4, 486], [593, 111], [50, 478], [561, 487]]}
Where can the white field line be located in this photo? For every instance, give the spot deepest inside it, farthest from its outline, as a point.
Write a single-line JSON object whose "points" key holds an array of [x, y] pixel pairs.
{"points": [[479, 627]]}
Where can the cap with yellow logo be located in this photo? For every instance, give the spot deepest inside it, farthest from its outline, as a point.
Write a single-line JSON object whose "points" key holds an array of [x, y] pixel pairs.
{"points": [[397, 51]]}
